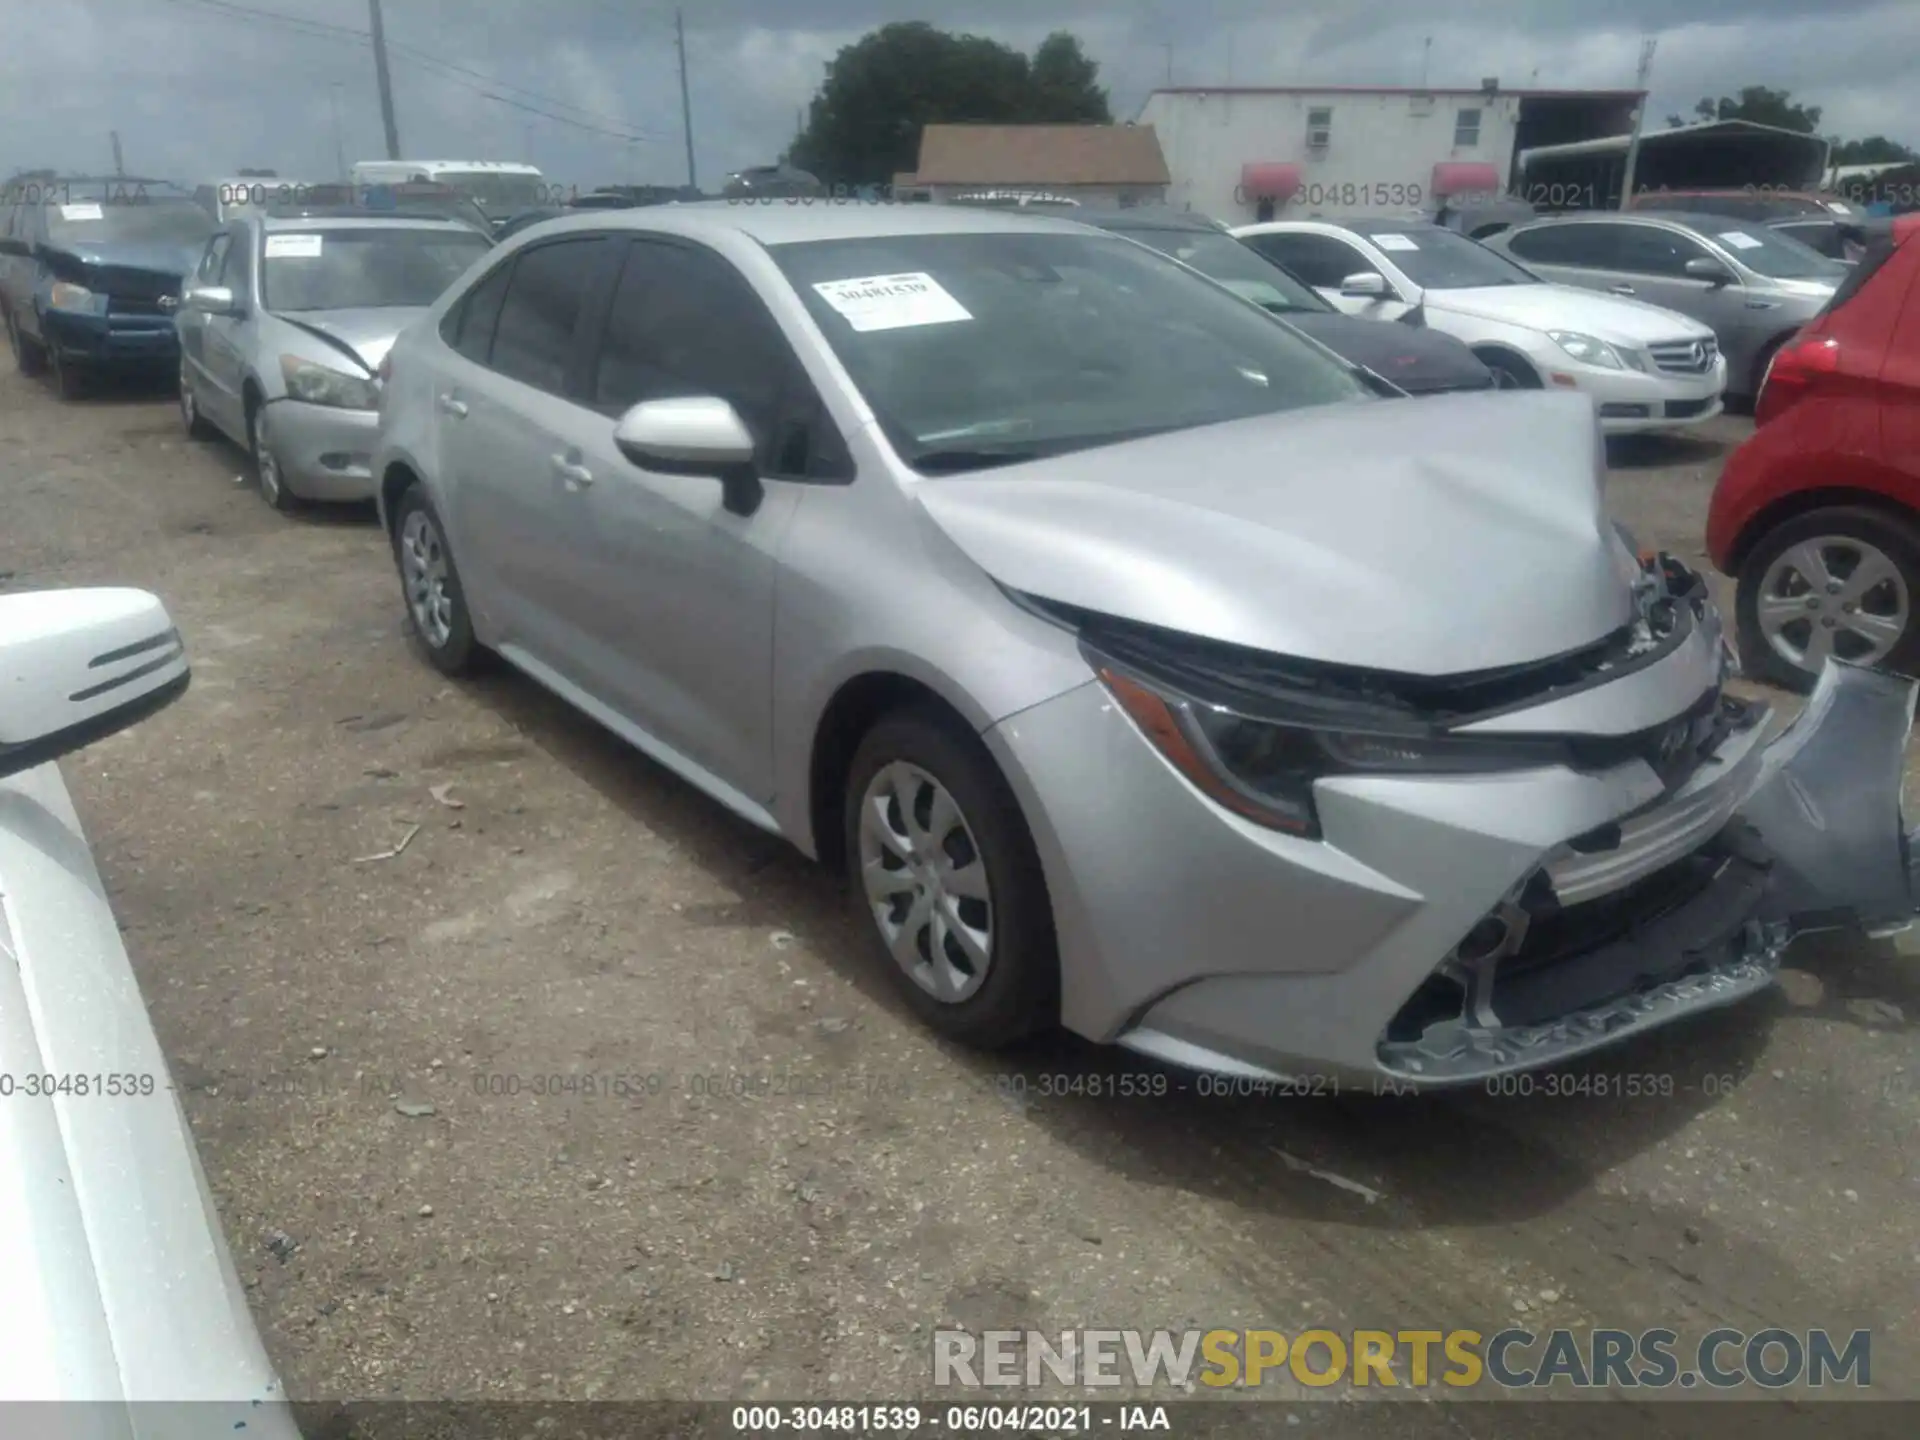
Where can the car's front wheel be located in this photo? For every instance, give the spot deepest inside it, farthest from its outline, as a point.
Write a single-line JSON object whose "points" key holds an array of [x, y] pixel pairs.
{"points": [[196, 424], [945, 879], [266, 462], [436, 604], [1840, 582], [28, 357]]}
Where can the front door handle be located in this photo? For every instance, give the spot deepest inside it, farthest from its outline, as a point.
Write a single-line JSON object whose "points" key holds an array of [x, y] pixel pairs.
{"points": [[453, 407], [1763, 304], [1620, 289], [576, 476]]}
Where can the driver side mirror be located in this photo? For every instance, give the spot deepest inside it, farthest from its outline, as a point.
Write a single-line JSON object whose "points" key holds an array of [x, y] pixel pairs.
{"points": [[694, 435], [1367, 286], [79, 665], [1710, 270], [211, 300]]}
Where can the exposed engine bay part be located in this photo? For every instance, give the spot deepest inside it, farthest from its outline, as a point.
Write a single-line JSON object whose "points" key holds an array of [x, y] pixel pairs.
{"points": [[1801, 834]]}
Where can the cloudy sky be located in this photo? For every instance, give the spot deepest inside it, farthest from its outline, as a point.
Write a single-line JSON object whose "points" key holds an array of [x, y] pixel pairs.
{"points": [[588, 89]]}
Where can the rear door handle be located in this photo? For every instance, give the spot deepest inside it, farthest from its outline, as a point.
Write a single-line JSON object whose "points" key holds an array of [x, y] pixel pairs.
{"points": [[1763, 304], [574, 474], [1620, 289], [453, 407]]}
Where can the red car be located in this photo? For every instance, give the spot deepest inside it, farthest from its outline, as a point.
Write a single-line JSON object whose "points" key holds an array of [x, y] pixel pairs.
{"points": [[1817, 515]]}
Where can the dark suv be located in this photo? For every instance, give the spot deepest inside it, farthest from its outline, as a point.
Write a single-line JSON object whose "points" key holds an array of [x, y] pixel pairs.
{"points": [[91, 271]]}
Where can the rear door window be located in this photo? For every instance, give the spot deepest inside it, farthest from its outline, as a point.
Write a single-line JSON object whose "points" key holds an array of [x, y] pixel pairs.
{"points": [[533, 341], [1320, 260]]}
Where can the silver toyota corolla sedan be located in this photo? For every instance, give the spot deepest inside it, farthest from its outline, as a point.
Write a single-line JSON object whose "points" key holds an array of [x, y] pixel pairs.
{"points": [[1146, 670], [283, 325]]}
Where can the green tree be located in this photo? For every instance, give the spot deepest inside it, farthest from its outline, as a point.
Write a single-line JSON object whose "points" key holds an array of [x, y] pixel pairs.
{"points": [[1066, 85], [1762, 106], [1873, 150], [863, 127]]}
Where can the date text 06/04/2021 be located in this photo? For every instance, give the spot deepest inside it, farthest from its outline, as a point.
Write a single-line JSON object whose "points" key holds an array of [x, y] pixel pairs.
{"points": [[908, 1419]]}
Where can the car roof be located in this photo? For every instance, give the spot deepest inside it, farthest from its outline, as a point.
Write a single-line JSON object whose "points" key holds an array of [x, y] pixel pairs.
{"points": [[784, 224], [1148, 217], [1372, 224], [328, 217], [1688, 219]]}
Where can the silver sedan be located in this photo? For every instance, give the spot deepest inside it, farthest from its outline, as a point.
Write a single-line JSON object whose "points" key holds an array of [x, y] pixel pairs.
{"points": [[283, 327], [1147, 668]]}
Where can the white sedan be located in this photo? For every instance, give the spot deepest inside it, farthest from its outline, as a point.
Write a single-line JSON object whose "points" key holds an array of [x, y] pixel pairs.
{"points": [[1645, 368], [120, 1293]]}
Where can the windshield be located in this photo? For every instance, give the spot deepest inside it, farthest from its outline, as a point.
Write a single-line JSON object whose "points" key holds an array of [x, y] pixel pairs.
{"points": [[978, 349], [1235, 265], [497, 193], [344, 269], [1436, 259], [1766, 251], [117, 221]]}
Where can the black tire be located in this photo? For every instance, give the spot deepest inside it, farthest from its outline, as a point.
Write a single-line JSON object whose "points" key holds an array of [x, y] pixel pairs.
{"points": [[459, 653], [195, 423], [1019, 995], [29, 357], [1510, 373], [1760, 364], [269, 475], [1894, 536]]}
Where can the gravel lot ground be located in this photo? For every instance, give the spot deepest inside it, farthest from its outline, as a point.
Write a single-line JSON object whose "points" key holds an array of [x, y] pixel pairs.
{"points": [[344, 1030]]}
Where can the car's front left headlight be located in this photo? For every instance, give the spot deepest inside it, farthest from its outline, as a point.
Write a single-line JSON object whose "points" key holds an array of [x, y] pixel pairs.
{"points": [[75, 299], [1263, 766], [318, 384], [1591, 350]]}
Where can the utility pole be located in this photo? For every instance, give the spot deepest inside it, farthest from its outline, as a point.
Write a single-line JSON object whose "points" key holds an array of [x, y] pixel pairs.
{"points": [[1167, 45], [119, 166], [386, 80], [686, 98], [339, 150], [1647, 47], [1426, 57]]}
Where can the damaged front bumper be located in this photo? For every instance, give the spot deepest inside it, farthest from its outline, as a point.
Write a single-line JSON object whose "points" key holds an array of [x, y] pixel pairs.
{"points": [[1803, 834]]}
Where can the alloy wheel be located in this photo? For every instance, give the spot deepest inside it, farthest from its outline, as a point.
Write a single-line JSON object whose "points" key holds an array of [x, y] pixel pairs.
{"points": [[426, 576], [1833, 595], [926, 882], [266, 463]]}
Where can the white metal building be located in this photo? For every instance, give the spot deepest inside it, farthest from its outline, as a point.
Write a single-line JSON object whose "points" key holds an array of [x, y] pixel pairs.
{"points": [[1241, 154]]}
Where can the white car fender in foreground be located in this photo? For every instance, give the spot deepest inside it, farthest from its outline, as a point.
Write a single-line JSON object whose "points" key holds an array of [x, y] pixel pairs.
{"points": [[122, 1311]]}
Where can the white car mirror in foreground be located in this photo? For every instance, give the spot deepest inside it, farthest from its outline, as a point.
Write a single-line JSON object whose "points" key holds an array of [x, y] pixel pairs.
{"points": [[79, 665], [694, 435]]}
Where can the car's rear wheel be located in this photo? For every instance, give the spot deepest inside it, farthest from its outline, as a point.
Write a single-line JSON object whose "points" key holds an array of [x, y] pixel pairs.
{"points": [[29, 358], [1841, 582], [946, 881], [436, 604], [266, 462], [196, 424]]}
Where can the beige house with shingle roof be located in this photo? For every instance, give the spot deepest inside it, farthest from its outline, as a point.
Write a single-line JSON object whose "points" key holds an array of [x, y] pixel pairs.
{"points": [[1103, 165]]}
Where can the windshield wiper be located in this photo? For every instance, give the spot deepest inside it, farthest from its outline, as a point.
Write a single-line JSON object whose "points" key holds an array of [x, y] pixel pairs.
{"points": [[953, 461]]}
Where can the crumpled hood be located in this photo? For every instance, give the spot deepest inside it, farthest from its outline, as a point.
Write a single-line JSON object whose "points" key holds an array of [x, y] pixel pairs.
{"points": [[1429, 537], [369, 333], [1613, 318]]}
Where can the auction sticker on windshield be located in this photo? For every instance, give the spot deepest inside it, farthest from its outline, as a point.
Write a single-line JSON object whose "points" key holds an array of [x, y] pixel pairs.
{"points": [[1740, 240], [1391, 241], [293, 247], [90, 211], [892, 302]]}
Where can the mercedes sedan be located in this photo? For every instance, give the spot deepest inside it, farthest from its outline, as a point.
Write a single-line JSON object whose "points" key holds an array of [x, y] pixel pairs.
{"points": [[1146, 669]]}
